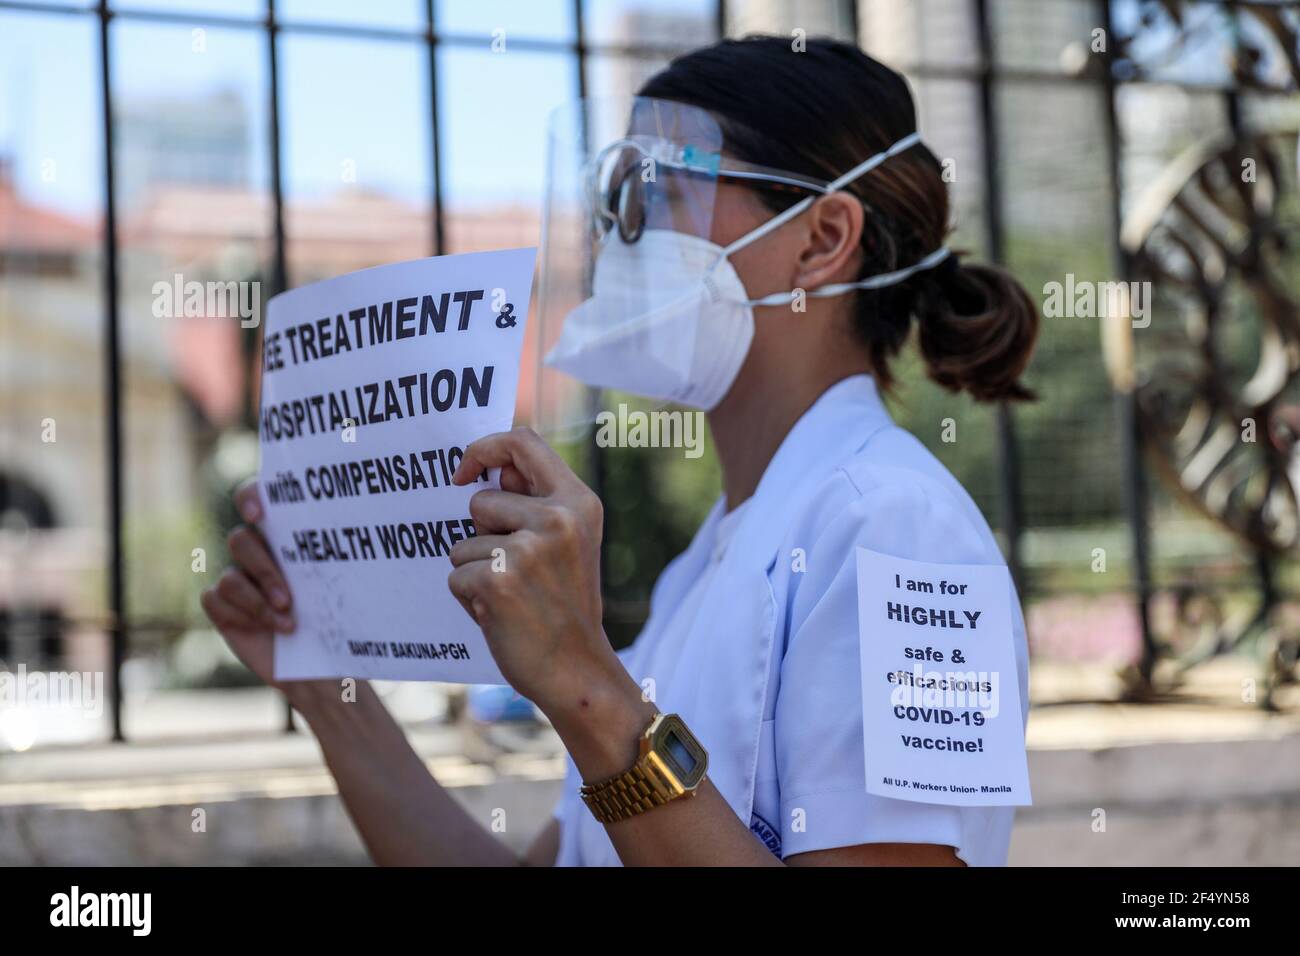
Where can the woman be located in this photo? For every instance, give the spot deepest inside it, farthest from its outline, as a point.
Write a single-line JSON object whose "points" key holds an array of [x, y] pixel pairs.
{"points": [[753, 635]]}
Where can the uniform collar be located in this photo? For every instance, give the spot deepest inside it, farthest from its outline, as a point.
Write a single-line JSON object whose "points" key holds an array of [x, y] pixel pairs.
{"points": [[836, 425]]}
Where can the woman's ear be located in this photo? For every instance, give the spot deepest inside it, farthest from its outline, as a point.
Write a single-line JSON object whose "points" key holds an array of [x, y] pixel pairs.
{"points": [[832, 252]]}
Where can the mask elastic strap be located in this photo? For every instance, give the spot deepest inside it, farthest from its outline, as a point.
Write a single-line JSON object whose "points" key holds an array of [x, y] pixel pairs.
{"points": [[871, 282], [864, 167]]}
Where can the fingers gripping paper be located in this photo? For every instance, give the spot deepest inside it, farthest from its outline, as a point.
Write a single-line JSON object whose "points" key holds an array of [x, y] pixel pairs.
{"points": [[373, 384], [940, 690]]}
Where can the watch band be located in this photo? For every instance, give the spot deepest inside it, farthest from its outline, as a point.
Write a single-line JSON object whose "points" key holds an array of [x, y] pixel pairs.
{"points": [[654, 779], [631, 792]]}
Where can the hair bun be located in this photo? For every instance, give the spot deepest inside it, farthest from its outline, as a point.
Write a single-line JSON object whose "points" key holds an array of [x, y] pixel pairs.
{"points": [[977, 328]]}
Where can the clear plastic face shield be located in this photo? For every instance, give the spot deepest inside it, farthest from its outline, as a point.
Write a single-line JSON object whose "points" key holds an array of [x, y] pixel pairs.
{"points": [[627, 228], [635, 292]]}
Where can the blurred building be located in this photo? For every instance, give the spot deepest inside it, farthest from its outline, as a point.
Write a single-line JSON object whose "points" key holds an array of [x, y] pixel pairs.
{"points": [[49, 369], [177, 140]]}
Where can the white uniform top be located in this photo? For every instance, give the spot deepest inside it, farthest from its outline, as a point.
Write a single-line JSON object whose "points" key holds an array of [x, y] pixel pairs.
{"points": [[753, 638]]}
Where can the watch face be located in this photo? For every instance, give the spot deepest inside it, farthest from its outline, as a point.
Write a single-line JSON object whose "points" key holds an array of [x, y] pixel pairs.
{"points": [[680, 752], [681, 756]]}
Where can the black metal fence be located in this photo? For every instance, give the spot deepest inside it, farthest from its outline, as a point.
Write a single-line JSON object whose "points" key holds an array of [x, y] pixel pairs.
{"points": [[983, 54]]}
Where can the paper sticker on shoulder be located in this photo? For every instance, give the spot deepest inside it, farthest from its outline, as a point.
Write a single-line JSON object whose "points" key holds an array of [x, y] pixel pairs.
{"points": [[941, 712]]}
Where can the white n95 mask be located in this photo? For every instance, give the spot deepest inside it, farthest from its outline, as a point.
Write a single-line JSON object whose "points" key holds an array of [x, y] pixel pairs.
{"points": [[684, 324], [667, 317]]}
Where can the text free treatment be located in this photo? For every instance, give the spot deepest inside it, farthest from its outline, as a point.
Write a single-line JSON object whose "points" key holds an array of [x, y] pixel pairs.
{"points": [[366, 326]]}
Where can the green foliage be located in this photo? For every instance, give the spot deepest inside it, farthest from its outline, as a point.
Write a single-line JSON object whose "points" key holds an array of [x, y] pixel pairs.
{"points": [[655, 500], [162, 586]]}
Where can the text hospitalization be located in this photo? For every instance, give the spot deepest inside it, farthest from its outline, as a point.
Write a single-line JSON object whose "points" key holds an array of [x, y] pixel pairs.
{"points": [[366, 326], [375, 402]]}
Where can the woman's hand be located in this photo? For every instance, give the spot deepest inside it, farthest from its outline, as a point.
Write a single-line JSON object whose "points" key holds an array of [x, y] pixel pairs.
{"points": [[531, 579], [531, 575], [251, 601]]}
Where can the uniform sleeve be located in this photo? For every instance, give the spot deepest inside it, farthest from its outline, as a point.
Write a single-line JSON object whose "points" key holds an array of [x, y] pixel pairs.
{"points": [[818, 719]]}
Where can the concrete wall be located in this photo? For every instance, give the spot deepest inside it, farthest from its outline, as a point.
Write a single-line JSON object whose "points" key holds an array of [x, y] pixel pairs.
{"points": [[1219, 803], [1231, 802], [248, 831]]}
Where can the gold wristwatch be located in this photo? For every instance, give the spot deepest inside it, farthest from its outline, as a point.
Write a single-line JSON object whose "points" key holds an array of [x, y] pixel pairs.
{"points": [[671, 765]]}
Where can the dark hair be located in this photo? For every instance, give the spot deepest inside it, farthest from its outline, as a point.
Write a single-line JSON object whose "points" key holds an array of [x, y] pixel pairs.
{"points": [[820, 112]]}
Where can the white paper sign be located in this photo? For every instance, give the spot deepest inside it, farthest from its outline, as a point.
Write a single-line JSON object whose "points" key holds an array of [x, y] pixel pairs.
{"points": [[372, 385], [940, 694]]}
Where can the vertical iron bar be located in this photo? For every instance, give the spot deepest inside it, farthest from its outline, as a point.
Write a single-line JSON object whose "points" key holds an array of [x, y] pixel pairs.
{"points": [[280, 270], [1264, 559], [113, 399], [1008, 450], [439, 235], [1135, 488], [280, 274], [1232, 99], [595, 456]]}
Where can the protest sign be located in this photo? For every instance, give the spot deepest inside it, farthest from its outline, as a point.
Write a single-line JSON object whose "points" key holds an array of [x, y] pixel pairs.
{"points": [[373, 384]]}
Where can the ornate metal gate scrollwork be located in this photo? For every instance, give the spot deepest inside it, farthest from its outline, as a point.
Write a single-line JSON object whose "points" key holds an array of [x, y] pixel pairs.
{"points": [[1216, 375]]}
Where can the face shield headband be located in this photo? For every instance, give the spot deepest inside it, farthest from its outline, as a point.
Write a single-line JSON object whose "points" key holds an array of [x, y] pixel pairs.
{"points": [[838, 288]]}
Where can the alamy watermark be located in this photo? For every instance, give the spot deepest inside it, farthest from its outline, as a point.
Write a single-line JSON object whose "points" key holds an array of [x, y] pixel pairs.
{"points": [[659, 429], [53, 689], [133, 911], [934, 696], [192, 299], [1083, 299]]}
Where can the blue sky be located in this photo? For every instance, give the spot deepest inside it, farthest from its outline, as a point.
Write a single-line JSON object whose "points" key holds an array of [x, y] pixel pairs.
{"points": [[358, 100]]}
